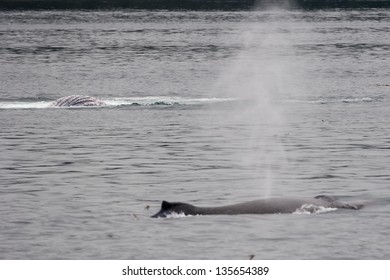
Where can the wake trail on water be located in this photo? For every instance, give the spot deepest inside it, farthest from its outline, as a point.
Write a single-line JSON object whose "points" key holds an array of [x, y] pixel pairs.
{"points": [[149, 101], [330, 100], [154, 101]]}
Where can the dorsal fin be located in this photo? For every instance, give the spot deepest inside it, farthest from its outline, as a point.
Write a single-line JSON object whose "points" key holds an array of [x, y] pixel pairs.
{"points": [[165, 205]]}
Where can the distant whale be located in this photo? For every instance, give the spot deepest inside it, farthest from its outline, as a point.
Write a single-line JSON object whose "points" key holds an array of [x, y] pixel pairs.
{"points": [[77, 100], [260, 206]]}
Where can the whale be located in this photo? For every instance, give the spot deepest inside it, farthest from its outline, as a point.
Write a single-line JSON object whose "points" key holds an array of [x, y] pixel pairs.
{"points": [[260, 206], [78, 100]]}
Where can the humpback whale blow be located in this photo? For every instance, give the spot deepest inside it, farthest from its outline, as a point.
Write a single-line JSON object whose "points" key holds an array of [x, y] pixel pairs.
{"points": [[78, 100], [260, 206]]}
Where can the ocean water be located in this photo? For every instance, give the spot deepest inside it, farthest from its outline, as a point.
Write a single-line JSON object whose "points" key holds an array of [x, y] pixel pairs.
{"points": [[209, 108]]}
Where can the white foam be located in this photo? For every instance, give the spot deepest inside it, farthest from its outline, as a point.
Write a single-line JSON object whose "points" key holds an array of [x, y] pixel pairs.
{"points": [[25, 105], [162, 100], [357, 100], [313, 209], [174, 215]]}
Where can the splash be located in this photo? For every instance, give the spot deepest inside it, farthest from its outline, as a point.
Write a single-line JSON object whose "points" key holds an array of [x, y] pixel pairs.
{"points": [[313, 209], [174, 215]]}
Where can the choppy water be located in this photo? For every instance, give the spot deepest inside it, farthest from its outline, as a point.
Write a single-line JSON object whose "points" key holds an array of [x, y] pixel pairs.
{"points": [[210, 108]]}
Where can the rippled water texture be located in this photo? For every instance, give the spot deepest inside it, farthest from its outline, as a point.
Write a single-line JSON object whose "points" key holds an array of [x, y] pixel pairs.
{"points": [[210, 108]]}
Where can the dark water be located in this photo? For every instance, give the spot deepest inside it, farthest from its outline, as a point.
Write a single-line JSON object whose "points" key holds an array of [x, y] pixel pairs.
{"points": [[197, 5], [210, 108]]}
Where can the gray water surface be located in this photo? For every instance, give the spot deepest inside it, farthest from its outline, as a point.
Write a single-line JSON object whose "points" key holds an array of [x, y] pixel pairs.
{"points": [[210, 108]]}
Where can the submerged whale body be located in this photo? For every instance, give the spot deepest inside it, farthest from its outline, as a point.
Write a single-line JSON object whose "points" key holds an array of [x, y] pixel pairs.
{"points": [[260, 206], [78, 100]]}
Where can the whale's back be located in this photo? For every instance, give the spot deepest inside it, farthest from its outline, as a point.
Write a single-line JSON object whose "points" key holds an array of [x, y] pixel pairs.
{"points": [[263, 206], [260, 206]]}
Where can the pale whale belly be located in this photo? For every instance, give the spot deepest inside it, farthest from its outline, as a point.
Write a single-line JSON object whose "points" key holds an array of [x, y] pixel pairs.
{"points": [[78, 100]]}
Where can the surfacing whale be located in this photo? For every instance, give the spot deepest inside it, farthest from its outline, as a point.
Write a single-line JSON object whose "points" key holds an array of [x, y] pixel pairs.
{"points": [[78, 100], [260, 206]]}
